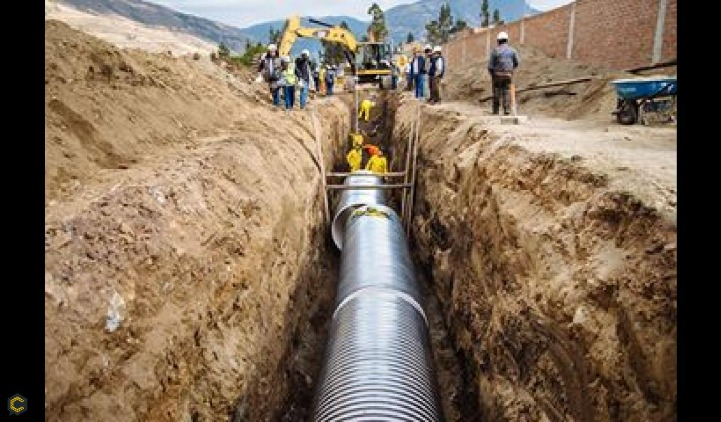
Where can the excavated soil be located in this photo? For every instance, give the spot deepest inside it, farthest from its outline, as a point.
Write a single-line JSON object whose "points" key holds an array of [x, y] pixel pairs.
{"points": [[187, 275], [190, 276], [551, 247]]}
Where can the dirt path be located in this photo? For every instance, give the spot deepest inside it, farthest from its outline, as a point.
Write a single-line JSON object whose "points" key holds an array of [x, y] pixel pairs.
{"points": [[641, 160]]}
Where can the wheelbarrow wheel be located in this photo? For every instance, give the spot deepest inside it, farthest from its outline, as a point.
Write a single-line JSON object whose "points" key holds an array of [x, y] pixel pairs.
{"points": [[627, 113]]}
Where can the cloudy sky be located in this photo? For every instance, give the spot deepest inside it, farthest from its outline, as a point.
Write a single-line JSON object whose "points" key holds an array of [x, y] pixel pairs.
{"points": [[244, 13]]}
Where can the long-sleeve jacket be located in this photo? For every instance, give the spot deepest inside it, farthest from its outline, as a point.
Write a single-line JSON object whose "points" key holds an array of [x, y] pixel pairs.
{"points": [[438, 66], [269, 67], [418, 65], [302, 69], [503, 60]]}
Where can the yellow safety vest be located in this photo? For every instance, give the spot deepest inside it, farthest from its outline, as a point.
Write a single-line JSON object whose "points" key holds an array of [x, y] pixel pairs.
{"points": [[354, 158], [377, 164]]}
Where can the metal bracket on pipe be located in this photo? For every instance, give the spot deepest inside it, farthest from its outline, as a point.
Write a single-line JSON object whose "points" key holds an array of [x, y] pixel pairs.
{"points": [[389, 174], [358, 187]]}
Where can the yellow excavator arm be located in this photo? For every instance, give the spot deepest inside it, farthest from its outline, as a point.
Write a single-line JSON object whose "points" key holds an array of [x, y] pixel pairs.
{"points": [[293, 30]]}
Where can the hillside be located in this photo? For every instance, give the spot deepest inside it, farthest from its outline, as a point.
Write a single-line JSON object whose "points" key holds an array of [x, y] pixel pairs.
{"points": [[158, 16], [406, 18], [127, 33], [262, 30]]}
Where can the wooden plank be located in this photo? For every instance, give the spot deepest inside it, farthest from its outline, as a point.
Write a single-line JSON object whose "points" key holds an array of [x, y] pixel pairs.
{"points": [[321, 162], [547, 85], [655, 66], [411, 197]]}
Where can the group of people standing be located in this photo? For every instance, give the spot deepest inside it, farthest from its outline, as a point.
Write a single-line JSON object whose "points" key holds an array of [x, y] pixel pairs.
{"points": [[284, 75], [429, 66]]}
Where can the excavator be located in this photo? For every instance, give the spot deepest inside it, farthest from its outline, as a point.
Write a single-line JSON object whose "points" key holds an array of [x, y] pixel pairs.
{"points": [[369, 61]]}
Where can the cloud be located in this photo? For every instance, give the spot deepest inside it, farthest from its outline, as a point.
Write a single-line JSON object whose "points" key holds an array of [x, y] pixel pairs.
{"points": [[248, 12], [544, 5]]}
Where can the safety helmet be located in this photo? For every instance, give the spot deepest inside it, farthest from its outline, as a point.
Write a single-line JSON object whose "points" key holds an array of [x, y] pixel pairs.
{"points": [[427, 47], [272, 47], [437, 49], [372, 149], [285, 59], [305, 52], [502, 36]]}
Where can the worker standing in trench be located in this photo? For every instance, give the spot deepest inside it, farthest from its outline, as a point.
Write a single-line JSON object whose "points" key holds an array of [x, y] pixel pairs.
{"points": [[377, 162], [365, 109]]}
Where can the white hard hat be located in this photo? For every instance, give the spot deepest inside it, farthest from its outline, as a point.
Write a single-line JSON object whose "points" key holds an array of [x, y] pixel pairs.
{"points": [[272, 47], [427, 47], [305, 52], [285, 59], [502, 36], [437, 49]]}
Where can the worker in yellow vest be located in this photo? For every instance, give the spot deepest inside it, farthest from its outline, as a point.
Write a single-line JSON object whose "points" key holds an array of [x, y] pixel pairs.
{"points": [[365, 109], [377, 163], [354, 158]]}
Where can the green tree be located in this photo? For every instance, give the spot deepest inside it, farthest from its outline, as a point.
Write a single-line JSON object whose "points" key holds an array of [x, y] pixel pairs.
{"points": [[460, 25], [497, 17], [438, 31], [377, 28], [223, 50], [485, 15], [274, 35], [410, 38]]}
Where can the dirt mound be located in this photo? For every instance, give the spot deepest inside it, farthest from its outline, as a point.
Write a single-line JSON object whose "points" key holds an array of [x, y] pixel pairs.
{"points": [[588, 100], [106, 108], [127, 33], [185, 275]]}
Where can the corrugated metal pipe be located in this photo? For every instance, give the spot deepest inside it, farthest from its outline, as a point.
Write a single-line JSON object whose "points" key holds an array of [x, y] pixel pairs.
{"points": [[378, 364]]}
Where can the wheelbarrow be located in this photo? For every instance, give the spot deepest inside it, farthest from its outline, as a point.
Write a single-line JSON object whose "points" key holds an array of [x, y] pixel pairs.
{"points": [[640, 98]]}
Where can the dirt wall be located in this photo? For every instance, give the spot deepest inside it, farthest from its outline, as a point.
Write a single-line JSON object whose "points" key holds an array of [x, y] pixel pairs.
{"points": [[186, 272], [558, 287]]}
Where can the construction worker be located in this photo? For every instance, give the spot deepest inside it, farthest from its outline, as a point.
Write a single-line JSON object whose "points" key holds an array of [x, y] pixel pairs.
{"points": [[377, 163], [354, 158], [288, 80], [418, 68], [330, 76], [269, 68], [321, 77], [427, 56], [435, 73], [316, 77], [365, 109], [305, 75], [501, 65], [356, 140]]}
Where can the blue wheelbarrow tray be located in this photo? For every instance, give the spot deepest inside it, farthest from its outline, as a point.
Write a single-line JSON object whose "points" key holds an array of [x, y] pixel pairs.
{"points": [[640, 88]]}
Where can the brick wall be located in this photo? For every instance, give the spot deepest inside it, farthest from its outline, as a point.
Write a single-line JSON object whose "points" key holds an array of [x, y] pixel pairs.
{"points": [[617, 34]]}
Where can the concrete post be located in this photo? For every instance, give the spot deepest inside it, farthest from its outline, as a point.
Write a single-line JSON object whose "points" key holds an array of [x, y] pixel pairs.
{"points": [[571, 23], [658, 35]]}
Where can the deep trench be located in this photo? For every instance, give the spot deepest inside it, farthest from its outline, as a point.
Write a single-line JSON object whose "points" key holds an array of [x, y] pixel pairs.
{"points": [[313, 302]]}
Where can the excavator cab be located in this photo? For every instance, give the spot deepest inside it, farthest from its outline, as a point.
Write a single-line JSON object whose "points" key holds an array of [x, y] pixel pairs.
{"points": [[373, 62]]}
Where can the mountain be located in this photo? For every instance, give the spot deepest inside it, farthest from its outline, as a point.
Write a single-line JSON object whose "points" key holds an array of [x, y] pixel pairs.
{"points": [[159, 16], [406, 18], [261, 31], [413, 17]]}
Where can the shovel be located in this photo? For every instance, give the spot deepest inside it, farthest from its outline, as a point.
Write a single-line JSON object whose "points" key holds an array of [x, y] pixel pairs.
{"points": [[514, 107]]}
